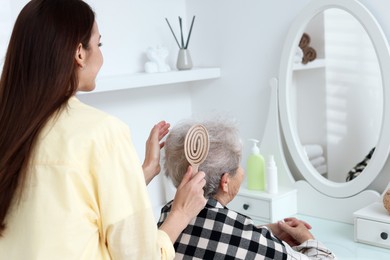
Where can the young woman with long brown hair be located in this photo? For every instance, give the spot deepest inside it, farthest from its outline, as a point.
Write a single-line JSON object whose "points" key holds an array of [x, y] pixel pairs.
{"points": [[71, 184]]}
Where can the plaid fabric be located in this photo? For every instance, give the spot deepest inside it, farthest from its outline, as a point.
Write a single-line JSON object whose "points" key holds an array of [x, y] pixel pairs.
{"points": [[220, 233], [358, 168]]}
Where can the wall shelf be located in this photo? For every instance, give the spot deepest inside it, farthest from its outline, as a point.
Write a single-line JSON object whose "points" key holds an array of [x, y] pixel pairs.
{"points": [[138, 80], [315, 64]]}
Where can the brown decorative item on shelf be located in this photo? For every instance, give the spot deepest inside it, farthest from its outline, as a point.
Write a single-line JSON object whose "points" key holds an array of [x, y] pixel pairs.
{"points": [[309, 53], [386, 200], [305, 41]]}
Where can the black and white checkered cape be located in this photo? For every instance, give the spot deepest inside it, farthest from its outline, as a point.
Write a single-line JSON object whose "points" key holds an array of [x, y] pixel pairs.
{"points": [[220, 233]]}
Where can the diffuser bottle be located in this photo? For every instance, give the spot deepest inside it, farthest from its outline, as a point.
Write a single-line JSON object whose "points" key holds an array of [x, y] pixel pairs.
{"points": [[272, 176], [255, 169]]}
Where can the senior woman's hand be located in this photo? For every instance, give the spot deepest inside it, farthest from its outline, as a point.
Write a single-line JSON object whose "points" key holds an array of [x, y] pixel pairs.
{"points": [[288, 237], [295, 231], [151, 165]]}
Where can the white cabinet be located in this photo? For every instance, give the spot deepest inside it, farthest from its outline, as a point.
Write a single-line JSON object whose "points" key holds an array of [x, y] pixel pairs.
{"points": [[372, 225], [263, 207]]}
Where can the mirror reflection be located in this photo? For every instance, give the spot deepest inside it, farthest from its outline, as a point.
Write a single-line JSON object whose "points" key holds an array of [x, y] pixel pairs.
{"points": [[338, 95]]}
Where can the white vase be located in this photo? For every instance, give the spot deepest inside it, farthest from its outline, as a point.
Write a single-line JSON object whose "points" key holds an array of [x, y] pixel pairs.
{"points": [[184, 61]]}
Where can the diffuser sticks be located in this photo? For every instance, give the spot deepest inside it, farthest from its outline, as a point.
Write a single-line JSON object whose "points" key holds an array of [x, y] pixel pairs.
{"points": [[182, 45]]}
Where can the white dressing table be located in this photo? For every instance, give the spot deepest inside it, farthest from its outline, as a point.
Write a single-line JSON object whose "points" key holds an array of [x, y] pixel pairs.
{"points": [[337, 236], [328, 205], [372, 225]]}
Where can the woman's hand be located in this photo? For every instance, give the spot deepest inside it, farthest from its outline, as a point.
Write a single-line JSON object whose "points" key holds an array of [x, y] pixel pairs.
{"points": [[292, 231], [151, 165], [189, 201]]}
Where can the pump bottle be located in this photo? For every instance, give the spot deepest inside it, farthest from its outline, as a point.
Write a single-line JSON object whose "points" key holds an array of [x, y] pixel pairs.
{"points": [[255, 169]]}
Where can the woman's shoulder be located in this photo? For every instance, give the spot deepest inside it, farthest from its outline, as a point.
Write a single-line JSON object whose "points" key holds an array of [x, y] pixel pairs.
{"points": [[78, 120], [91, 117]]}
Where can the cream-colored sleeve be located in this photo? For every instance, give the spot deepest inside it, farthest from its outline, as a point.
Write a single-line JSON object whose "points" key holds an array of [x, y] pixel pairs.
{"points": [[127, 224], [310, 249], [167, 250], [123, 244]]}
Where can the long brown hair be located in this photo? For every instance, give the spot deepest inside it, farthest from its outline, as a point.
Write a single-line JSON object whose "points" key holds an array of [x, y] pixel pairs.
{"points": [[39, 76]]}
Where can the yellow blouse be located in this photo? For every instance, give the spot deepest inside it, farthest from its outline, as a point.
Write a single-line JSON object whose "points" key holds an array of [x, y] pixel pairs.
{"points": [[85, 196]]}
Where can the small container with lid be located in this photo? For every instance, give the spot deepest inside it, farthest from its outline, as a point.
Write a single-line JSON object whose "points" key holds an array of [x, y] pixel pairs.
{"points": [[272, 176]]}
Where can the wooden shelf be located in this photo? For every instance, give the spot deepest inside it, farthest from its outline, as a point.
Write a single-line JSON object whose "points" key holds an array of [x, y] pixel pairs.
{"points": [[139, 80], [315, 64]]}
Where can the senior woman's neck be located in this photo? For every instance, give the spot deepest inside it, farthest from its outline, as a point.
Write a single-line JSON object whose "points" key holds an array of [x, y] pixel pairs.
{"points": [[222, 198]]}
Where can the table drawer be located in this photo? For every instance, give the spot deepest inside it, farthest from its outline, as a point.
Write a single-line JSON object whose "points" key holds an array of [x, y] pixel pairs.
{"points": [[372, 232], [251, 206]]}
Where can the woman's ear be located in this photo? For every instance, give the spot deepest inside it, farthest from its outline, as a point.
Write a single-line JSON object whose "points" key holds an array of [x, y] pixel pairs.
{"points": [[80, 56], [224, 183]]}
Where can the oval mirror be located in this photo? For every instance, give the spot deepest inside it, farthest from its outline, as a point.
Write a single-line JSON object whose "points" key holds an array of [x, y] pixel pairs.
{"points": [[334, 106]]}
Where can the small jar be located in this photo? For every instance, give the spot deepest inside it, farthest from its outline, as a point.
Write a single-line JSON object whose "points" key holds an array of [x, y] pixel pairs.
{"points": [[386, 200]]}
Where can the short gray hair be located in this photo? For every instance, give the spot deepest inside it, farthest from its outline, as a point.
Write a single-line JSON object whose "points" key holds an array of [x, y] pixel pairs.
{"points": [[224, 154]]}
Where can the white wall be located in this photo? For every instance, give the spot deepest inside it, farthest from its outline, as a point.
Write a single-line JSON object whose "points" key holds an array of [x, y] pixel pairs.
{"points": [[8, 12], [244, 38], [128, 27]]}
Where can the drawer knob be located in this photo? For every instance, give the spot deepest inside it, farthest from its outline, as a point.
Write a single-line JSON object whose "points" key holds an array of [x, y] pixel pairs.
{"points": [[245, 206], [384, 235]]}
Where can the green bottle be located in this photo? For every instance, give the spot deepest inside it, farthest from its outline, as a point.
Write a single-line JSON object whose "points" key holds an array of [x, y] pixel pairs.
{"points": [[255, 169]]}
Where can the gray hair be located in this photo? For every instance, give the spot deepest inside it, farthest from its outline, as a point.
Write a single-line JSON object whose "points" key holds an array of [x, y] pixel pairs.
{"points": [[224, 154]]}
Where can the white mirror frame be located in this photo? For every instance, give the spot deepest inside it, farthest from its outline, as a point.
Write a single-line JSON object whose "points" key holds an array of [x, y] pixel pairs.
{"points": [[323, 185]]}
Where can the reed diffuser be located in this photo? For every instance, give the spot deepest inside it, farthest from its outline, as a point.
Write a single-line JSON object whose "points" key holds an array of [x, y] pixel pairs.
{"points": [[184, 61]]}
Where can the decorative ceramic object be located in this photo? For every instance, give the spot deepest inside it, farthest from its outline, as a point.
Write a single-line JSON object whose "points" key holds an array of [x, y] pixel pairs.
{"points": [[184, 61], [157, 61], [386, 200]]}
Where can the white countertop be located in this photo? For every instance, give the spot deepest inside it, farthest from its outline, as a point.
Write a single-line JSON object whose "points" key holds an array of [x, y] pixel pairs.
{"points": [[339, 238]]}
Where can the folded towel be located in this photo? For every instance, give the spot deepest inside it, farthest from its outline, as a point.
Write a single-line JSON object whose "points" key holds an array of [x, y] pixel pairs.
{"points": [[322, 169], [313, 150], [317, 161], [309, 54], [298, 57], [305, 41]]}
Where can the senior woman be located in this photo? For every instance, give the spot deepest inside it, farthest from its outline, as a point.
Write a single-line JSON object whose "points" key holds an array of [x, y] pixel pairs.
{"points": [[218, 232]]}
